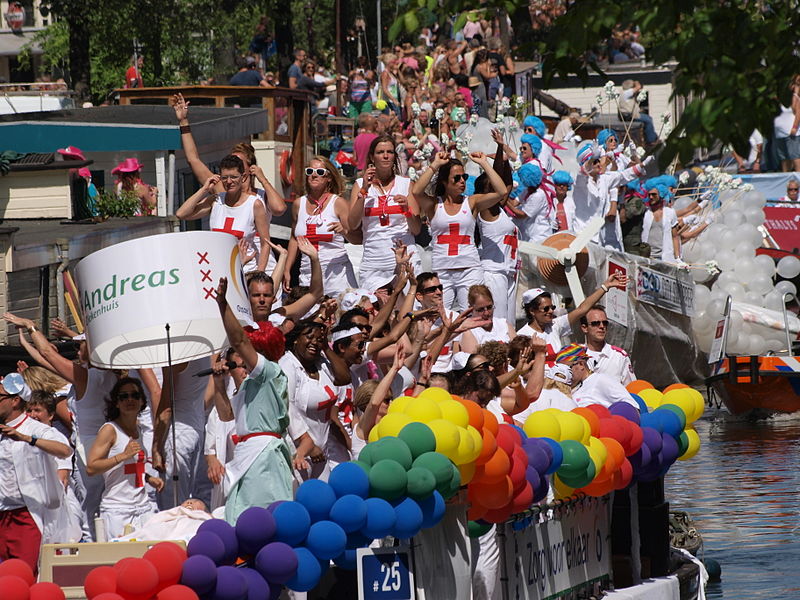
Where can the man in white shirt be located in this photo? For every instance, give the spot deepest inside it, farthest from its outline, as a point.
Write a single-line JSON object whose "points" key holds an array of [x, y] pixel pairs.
{"points": [[30, 491], [588, 387], [604, 358]]}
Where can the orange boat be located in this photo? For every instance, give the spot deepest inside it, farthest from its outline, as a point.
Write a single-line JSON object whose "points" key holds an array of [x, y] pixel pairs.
{"points": [[761, 384]]}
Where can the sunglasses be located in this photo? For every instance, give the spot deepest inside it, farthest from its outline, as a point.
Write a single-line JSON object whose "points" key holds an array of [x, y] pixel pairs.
{"points": [[529, 130], [432, 289], [792, 189], [126, 395], [547, 308], [604, 323], [318, 172], [484, 366], [482, 309], [460, 177], [362, 344]]}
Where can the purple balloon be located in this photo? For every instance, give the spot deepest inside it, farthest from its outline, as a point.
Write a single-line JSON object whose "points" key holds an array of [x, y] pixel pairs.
{"points": [[669, 450], [257, 587], [207, 543], [533, 476], [277, 562], [640, 459], [540, 493], [625, 410], [254, 529], [199, 573], [231, 585], [557, 455], [652, 439], [228, 536], [538, 457]]}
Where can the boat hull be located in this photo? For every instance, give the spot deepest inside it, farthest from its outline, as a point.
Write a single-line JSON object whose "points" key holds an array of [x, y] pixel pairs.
{"points": [[765, 384]]}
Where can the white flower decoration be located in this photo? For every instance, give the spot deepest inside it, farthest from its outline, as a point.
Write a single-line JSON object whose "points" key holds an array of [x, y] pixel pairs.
{"points": [[519, 101], [412, 174], [683, 177], [599, 100], [736, 182], [747, 187], [642, 96], [627, 151], [712, 267], [428, 149], [665, 117], [516, 165], [415, 108], [445, 139], [513, 125], [702, 178], [473, 120], [640, 152], [414, 140], [419, 154], [439, 114]]}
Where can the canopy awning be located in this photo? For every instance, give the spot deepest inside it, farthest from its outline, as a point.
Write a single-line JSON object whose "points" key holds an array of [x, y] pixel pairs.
{"points": [[11, 43]]}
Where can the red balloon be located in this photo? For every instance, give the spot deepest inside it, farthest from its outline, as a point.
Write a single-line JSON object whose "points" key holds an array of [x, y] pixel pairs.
{"points": [[499, 515], [622, 477], [476, 511], [493, 495], [517, 473], [626, 428], [167, 562], [122, 562], [508, 438], [109, 596], [600, 411], [100, 580], [178, 550], [14, 588], [523, 499], [46, 590], [177, 592], [599, 488], [18, 568], [137, 580], [611, 429]]}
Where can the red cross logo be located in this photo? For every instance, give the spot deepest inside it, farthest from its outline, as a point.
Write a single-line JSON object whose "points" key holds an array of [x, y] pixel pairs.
{"points": [[203, 256], [382, 211], [444, 351], [314, 237], [206, 275], [228, 228], [550, 357], [137, 469], [512, 241], [326, 404], [453, 239], [346, 406]]}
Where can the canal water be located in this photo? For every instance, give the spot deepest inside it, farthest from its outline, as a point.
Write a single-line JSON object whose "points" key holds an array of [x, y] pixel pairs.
{"points": [[743, 491]]}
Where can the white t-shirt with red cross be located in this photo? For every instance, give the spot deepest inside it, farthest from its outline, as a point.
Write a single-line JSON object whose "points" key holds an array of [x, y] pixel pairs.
{"points": [[453, 243], [553, 335]]}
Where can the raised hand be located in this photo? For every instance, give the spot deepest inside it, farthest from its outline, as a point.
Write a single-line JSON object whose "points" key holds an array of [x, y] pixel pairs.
{"points": [[306, 247], [181, 107], [222, 289]]}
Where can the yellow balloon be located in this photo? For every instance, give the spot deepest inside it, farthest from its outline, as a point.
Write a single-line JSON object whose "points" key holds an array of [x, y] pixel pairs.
{"points": [[467, 472], [390, 425], [477, 439], [455, 412], [561, 489], [542, 424], [694, 444], [399, 404], [423, 410], [652, 398], [466, 447], [436, 394], [598, 453], [373, 435], [447, 438], [699, 403], [573, 427]]}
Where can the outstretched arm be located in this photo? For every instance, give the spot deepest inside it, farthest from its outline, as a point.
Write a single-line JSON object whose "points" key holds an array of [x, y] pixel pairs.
{"points": [[199, 169], [617, 279], [297, 309], [236, 335]]}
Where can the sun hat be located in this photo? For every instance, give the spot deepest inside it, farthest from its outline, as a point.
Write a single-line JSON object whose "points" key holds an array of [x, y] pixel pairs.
{"points": [[129, 165]]}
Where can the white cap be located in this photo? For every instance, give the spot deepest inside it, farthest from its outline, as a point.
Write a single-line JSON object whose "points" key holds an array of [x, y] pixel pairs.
{"points": [[15, 384], [532, 294], [460, 360], [353, 297], [345, 333], [559, 372]]}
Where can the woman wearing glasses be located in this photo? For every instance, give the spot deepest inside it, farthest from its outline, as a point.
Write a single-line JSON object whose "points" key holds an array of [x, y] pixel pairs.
{"points": [[452, 217], [321, 217], [119, 455], [235, 211], [495, 330]]}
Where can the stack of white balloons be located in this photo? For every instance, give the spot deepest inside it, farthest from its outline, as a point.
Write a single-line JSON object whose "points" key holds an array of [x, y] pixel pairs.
{"points": [[731, 242]]}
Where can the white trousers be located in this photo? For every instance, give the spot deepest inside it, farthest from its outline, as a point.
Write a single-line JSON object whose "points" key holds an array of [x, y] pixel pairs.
{"points": [[456, 284], [336, 278], [189, 461], [504, 294]]}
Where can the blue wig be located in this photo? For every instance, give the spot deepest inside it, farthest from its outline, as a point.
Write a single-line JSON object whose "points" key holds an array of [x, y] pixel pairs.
{"points": [[537, 124], [533, 141], [530, 175], [603, 136], [562, 177]]}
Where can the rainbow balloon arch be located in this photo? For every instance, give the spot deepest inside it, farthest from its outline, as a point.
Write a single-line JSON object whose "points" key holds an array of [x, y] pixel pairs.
{"points": [[418, 456]]}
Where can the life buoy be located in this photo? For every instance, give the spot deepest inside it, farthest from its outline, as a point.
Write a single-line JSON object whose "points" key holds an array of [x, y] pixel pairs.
{"points": [[286, 168]]}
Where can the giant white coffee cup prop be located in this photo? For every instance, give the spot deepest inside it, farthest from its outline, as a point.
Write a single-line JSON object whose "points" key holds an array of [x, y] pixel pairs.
{"points": [[131, 292]]}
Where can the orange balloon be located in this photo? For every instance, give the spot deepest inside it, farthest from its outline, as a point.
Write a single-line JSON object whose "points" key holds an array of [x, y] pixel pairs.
{"points": [[496, 468], [599, 488], [637, 385], [490, 422], [591, 417], [622, 478], [674, 386], [500, 515], [476, 511], [488, 448], [493, 495], [616, 453], [474, 411]]}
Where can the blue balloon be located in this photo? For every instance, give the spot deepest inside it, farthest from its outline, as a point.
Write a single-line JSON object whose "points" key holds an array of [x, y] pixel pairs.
{"points": [[207, 543], [540, 493], [350, 512], [653, 421], [625, 410], [228, 536], [291, 523], [277, 562], [308, 571], [257, 587], [318, 498], [433, 509], [326, 540], [231, 585], [643, 409], [348, 478], [347, 559], [670, 422], [408, 519], [558, 455], [380, 518], [521, 432], [254, 529], [199, 573], [271, 508]]}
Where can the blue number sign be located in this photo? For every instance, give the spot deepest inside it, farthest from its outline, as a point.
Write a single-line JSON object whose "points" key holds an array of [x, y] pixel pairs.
{"points": [[385, 574]]}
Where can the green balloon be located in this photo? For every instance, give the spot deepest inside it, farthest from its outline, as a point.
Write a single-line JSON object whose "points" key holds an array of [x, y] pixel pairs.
{"points": [[421, 483], [683, 443], [392, 448], [581, 480], [419, 438], [365, 466], [677, 410], [576, 459], [439, 465], [451, 488], [387, 480], [365, 456], [476, 529]]}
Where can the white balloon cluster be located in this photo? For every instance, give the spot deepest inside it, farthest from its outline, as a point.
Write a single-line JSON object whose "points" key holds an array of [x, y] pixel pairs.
{"points": [[730, 242]]}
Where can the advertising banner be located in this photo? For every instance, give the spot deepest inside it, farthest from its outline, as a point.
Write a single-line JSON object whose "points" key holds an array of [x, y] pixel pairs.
{"points": [[130, 291], [665, 291]]}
